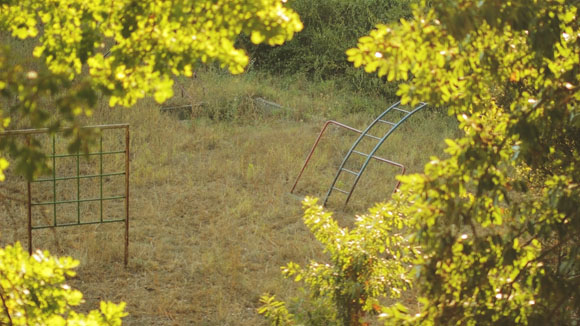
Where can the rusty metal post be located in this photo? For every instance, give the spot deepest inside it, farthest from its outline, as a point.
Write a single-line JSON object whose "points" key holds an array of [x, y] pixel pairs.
{"points": [[127, 159], [29, 207], [326, 124]]}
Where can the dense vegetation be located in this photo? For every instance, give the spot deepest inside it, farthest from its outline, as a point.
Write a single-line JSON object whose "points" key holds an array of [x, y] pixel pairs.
{"points": [[489, 232], [496, 222], [124, 50], [330, 28]]}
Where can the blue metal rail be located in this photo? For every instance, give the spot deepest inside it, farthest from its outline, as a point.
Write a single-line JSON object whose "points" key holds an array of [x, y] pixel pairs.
{"points": [[368, 156]]}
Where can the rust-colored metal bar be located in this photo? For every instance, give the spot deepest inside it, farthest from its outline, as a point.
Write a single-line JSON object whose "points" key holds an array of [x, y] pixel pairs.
{"points": [[29, 207], [326, 124], [342, 125], [45, 130], [127, 159]]}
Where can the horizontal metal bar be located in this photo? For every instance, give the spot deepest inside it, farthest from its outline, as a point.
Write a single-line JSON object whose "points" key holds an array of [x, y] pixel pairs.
{"points": [[373, 137], [360, 153], [169, 108], [81, 177], [337, 189], [75, 224], [270, 103], [389, 162], [46, 130], [396, 108], [76, 201], [349, 171], [387, 122], [380, 159], [83, 154]]}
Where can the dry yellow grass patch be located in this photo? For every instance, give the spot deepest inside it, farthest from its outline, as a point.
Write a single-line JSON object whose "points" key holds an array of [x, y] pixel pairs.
{"points": [[211, 218]]}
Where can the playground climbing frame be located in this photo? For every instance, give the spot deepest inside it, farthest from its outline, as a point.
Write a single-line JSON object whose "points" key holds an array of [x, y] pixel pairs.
{"points": [[383, 118], [101, 176]]}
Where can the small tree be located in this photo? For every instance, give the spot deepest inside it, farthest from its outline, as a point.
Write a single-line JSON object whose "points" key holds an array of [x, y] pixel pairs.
{"points": [[498, 220], [330, 28], [367, 263]]}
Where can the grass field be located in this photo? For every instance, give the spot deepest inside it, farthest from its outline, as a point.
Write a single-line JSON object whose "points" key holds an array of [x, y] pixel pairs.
{"points": [[212, 219]]}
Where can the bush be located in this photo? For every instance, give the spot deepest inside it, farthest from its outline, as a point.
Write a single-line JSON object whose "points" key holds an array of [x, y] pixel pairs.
{"points": [[330, 28], [33, 292], [368, 263]]}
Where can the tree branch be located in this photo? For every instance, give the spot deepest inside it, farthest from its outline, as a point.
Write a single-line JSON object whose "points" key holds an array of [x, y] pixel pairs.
{"points": [[6, 309]]}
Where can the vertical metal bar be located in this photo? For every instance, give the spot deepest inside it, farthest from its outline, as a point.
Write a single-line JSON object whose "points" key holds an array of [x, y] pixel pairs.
{"points": [[29, 207], [403, 170], [127, 158], [54, 179], [78, 187], [326, 124], [101, 174]]}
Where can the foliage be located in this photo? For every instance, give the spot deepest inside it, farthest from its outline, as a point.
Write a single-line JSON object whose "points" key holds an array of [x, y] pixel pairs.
{"points": [[367, 263], [125, 50], [330, 28], [33, 292], [498, 221], [122, 49]]}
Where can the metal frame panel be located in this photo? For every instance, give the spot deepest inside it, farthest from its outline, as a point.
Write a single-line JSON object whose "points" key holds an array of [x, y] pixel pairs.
{"points": [[54, 156], [369, 156]]}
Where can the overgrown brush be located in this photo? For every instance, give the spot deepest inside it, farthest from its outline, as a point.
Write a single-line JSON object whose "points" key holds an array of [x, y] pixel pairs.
{"points": [[330, 28]]}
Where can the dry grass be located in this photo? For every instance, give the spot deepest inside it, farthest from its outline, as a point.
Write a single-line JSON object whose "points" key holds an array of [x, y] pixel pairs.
{"points": [[211, 217]]}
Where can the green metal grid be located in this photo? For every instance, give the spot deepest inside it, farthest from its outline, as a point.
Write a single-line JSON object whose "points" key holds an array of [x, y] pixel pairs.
{"points": [[55, 202]]}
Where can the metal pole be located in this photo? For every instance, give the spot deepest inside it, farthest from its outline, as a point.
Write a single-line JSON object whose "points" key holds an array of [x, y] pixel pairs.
{"points": [[326, 124], [29, 207], [101, 174], [78, 187], [127, 158], [54, 179], [347, 156]]}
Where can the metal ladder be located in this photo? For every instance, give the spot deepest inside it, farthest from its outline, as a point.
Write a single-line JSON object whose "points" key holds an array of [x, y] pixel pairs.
{"points": [[380, 140]]}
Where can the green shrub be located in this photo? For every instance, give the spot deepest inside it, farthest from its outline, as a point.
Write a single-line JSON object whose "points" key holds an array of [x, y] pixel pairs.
{"points": [[33, 292], [330, 28], [368, 263]]}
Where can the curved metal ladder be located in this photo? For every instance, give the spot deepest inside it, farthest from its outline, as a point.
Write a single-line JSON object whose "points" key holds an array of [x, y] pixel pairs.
{"points": [[380, 141], [349, 128]]}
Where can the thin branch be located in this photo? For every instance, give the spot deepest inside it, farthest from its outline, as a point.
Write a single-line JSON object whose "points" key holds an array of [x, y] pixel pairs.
{"points": [[6, 309]]}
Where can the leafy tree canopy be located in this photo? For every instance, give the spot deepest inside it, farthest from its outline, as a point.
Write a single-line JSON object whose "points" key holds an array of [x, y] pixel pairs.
{"points": [[498, 220], [124, 49]]}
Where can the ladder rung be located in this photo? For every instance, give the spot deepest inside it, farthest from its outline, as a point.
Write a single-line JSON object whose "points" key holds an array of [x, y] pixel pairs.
{"points": [[375, 157], [360, 153], [401, 110], [349, 171], [387, 122], [373, 137], [337, 189]]}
